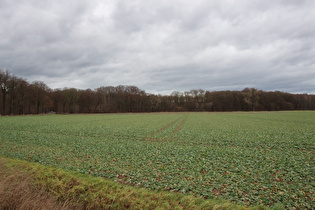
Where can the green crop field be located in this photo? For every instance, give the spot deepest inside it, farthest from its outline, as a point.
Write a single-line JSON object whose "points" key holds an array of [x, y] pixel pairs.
{"points": [[247, 158]]}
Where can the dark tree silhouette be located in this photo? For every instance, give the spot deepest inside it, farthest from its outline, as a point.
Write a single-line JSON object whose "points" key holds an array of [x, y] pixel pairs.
{"points": [[19, 97]]}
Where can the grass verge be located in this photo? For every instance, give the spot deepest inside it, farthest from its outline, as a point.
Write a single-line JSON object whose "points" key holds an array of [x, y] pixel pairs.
{"points": [[26, 185]]}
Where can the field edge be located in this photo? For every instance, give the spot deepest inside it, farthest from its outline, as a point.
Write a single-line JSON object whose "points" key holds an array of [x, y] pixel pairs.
{"points": [[73, 190]]}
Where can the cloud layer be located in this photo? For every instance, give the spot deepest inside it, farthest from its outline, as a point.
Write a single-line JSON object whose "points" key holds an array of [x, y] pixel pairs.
{"points": [[161, 46]]}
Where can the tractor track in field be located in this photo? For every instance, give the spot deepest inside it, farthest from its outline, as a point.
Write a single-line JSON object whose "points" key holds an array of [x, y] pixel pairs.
{"points": [[180, 125], [155, 139], [164, 128]]}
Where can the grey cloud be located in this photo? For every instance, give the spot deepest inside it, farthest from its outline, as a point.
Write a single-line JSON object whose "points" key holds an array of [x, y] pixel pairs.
{"points": [[161, 46]]}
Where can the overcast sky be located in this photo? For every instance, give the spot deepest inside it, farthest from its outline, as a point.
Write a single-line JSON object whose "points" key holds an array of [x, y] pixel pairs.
{"points": [[161, 46]]}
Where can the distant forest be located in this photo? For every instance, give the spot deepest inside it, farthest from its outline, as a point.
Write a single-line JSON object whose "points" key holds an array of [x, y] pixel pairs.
{"points": [[18, 97]]}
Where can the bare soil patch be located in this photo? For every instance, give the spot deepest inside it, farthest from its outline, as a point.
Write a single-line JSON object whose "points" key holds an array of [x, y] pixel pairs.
{"points": [[18, 191]]}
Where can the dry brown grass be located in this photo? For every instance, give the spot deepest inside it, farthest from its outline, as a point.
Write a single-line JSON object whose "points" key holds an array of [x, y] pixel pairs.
{"points": [[18, 191]]}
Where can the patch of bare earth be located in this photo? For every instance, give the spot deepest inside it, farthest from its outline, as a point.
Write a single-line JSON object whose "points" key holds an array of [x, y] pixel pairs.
{"points": [[18, 191]]}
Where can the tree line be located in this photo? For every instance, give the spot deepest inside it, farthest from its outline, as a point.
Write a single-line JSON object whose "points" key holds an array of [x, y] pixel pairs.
{"points": [[19, 97]]}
